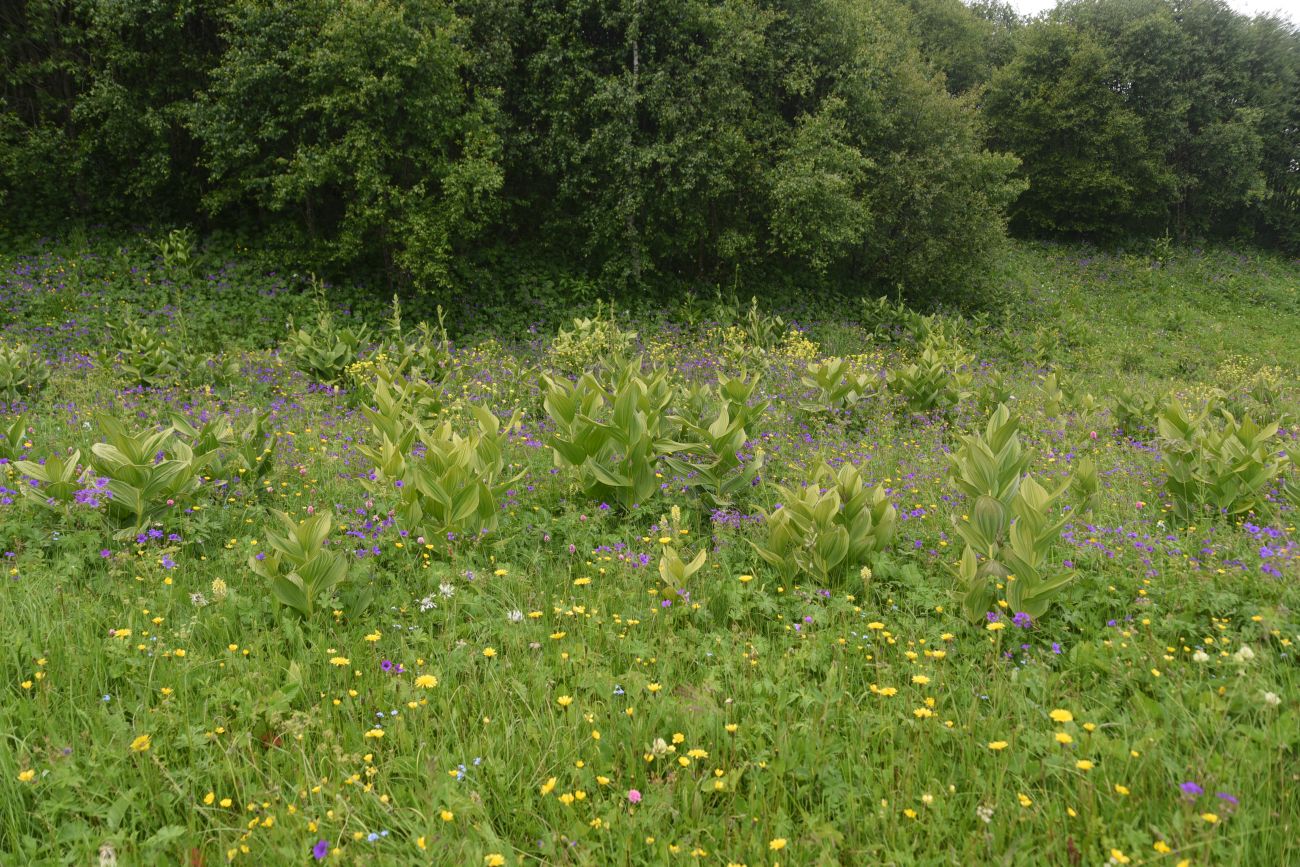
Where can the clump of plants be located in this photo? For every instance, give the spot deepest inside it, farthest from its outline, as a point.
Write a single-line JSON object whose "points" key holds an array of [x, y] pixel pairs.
{"points": [[828, 526], [325, 350], [1012, 528], [446, 483], [1215, 465], [711, 462], [612, 434], [938, 380], [836, 387], [23, 371], [591, 342]]}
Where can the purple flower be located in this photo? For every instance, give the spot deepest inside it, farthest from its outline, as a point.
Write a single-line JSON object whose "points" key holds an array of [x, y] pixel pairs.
{"points": [[1191, 790], [386, 665], [1023, 620], [320, 850], [1224, 796]]}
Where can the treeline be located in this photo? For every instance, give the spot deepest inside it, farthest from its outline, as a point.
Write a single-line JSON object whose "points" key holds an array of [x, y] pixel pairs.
{"points": [[880, 142]]}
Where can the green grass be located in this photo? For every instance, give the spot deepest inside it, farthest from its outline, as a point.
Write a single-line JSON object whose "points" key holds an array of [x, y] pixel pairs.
{"points": [[759, 721]]}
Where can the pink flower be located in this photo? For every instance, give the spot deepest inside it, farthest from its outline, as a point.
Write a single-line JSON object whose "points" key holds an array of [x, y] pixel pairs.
{"points": [[634, 796]]}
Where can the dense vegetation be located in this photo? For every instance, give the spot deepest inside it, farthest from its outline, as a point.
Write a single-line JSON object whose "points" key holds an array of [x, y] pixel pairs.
{"points": [[624, 144], [711, 585]]}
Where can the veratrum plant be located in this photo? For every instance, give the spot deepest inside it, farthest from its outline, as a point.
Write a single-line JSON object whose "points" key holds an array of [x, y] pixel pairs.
{"points": [[228, 455], [449, 488], [1085, 482], [990, 469], [13, 441], [591, 343], [613, 435], [826, 532], [22, 371], [836, 384], [58, 479], [762, 330], [1225, 469], [146, 358], [712, 461], [675, 572], [937, 381], [324, 351], [1133, 410], [302, 572], [149, 474]]}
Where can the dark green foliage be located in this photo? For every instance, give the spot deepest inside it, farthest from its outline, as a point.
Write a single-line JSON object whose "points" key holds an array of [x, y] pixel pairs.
{"points": [[1090, 167], [354, 122], [1134, 117], [518, 150]]}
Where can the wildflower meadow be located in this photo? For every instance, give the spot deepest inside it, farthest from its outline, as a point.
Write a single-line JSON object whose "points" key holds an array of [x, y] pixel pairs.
{"points": [[293, 576]]}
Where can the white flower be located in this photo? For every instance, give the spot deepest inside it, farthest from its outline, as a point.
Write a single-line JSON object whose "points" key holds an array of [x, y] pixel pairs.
{"points": [[198, 599], [1272, 699], [427, 602], [446, 589], [1245, 654], [1200, 656], [985, 813], [515, 616]]}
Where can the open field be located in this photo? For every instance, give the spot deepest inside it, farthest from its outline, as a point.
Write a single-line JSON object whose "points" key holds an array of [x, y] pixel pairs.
{"points": [[544, 634]]}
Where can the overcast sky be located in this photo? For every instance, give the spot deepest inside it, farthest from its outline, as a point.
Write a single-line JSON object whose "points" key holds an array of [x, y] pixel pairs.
{"points": [[1287, 8]]}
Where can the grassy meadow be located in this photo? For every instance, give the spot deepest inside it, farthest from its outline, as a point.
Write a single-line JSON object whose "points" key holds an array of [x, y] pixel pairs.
{"points": [[529, 601]]}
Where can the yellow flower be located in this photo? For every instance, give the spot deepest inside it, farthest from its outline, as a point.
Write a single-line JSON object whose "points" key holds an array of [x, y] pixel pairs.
{"points": [[875, 624], [548, 787], [209, 798], [1162, 847], [653, 687], [1084, 765], [745, 579], [340, 661], [446, 815], [1024, 799], [1061, 716], [1064, 738], [426, 681], [1119, 856], [920, 679], [374, 636], [375, 733], [1210, 817], [995, 626], [26, 776], [731, 728], [140, 744], [419, 841], [494, 860], [489, 652], [1122, 790], [564, 700], [777, 845], [26, 684], [997, 745]]}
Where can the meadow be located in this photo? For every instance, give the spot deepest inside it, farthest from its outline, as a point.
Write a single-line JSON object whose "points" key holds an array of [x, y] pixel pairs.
{"points": [[718, 582]]}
